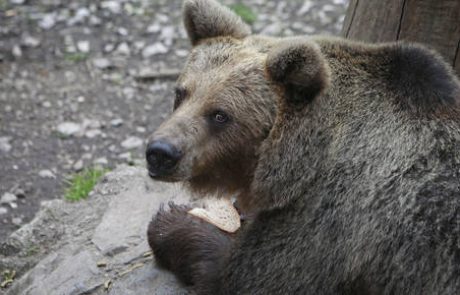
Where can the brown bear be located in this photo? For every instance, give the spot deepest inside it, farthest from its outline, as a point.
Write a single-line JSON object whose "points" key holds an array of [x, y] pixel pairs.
{"points": [[357, 184]]}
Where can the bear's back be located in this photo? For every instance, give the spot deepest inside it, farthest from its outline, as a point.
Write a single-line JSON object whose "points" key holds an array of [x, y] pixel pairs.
{"points": [[373, 171]]}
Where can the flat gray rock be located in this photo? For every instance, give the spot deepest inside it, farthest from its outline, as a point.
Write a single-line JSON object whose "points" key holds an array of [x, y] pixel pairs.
{"points": [[97, 246]]}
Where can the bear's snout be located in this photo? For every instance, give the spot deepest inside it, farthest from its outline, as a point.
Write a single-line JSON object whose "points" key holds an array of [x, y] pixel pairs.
{"points": [[162, 158]]}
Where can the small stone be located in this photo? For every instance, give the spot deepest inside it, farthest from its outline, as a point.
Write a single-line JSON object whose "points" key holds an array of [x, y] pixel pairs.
{"points": [[101, 161], [95, 21], [17, 51], [125, 156], [93, 133], [68, 128], [81, 99], [109, 47], [154, 49], [30, 41], [83, 46], [116, 122], [80, 16], [273, 29], [3, 210], [16, 220], [8, 198], [46, 174], [167, 35], [132, 142], [181, 52], [140, 129], [112, 6], [46, 104], [123, 49], [154, 28], [78, 166], [48, 21], [17, 2], [123, 31], [102, 63], [5, 145], [129, 92], [13, 205]]}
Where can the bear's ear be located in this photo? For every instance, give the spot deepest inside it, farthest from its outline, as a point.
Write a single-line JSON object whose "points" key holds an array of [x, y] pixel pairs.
{"points": [[299, 67], [207, 18]]}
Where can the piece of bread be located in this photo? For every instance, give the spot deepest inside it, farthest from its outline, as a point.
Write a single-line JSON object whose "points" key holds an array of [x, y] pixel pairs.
{"points": [[219, 212]]}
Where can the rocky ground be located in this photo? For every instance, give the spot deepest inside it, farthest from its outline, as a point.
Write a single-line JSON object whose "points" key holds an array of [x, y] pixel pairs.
{"points": [[92, 247], [83, 83]]}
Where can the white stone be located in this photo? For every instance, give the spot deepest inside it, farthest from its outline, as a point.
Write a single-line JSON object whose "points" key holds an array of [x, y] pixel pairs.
{"points": [[123, 31], [46, 174], [123, 49], [83, 46], [8, 198], [17, 51], [16, 220], [181, 52], [3, 210], [116, 122], [5, 145], [93, 133], [112, 6], [30, 41], [125, 156], [273, 29], [48, 21], [17, 2], [154, 49], [153, 28], [101, 161], [102, 63], [78, 166], [80, 16], [132, 142], [68, 128]]}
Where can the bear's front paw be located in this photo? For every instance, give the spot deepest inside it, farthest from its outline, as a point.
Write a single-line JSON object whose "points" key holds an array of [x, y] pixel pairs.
{"points": [[194, 250]]}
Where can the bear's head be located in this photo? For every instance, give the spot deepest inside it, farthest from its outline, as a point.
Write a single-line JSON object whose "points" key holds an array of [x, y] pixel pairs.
{"points": [[226, 100]]}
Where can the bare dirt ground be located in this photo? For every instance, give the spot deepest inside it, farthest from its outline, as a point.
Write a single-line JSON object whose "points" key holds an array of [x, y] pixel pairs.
{"points": [[83, 83]]}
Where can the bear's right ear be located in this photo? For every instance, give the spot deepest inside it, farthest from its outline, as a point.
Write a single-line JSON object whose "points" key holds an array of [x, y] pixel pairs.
{"points": [[299, 67], [207, 18]]}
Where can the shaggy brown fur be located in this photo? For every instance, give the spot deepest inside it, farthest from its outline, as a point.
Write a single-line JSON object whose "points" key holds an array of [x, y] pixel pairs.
{"points": [[357, 182]]}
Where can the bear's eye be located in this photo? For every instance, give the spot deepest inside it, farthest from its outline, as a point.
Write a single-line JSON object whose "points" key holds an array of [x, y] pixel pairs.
{"points": [[220, 117], [180, 96]]}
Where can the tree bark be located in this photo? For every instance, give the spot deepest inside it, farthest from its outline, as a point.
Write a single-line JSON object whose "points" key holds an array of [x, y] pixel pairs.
{"points": [[435, 23]]}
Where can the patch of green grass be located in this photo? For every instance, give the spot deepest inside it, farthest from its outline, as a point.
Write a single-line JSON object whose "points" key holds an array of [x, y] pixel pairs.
{"points": [[244, 12], [32, 250], [8, 278], [81, 184], [76, 56]]}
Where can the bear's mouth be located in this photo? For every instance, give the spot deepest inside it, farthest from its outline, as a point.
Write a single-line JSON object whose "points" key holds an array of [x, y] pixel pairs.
{"points": [[162, 177]]}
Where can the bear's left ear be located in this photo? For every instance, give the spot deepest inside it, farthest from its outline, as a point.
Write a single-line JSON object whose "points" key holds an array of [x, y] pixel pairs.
{"points": [[207, 18], [299, 67]]}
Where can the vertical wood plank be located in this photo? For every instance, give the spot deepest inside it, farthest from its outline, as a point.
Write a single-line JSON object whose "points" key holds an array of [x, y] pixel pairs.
{"points": [[435, 23], [376, 20], [351, 10]]}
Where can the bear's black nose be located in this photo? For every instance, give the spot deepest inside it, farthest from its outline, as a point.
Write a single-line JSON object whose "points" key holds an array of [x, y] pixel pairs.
{"points": [[162, 158]]}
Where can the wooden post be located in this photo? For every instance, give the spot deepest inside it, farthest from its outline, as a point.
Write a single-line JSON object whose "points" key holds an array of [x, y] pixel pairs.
{"points": [[435, 23]]}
